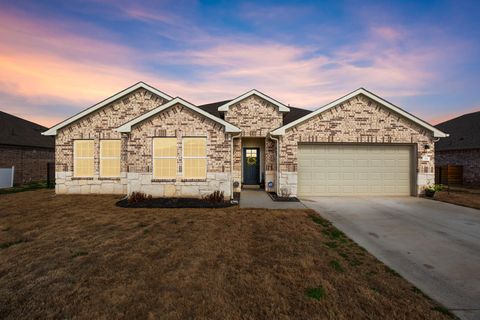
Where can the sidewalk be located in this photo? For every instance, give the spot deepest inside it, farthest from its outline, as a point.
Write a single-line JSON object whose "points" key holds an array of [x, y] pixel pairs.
{"points": [[259, 199]]}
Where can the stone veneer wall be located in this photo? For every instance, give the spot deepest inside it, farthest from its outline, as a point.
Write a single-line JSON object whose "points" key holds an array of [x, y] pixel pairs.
{"points": [[469, 159], [99, 125], [358, 120], [178, 121]]}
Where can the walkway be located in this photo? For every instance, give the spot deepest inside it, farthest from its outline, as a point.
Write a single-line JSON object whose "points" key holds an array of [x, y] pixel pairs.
{"points": [[260, 199]]}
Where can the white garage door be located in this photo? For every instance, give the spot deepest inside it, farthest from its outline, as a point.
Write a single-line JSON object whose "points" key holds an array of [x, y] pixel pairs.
{"points": [[345, 170]]}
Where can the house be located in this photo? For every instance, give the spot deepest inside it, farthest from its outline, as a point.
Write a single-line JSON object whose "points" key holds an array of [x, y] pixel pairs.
{"points": [[142, 139], [462, 147], [23, 146]]}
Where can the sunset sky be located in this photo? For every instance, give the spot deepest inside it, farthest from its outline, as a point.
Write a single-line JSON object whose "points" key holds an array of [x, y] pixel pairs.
{"points": [[59, 57]]}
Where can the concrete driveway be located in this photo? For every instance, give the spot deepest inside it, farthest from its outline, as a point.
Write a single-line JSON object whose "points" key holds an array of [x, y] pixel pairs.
{"points": [[434, 245]]}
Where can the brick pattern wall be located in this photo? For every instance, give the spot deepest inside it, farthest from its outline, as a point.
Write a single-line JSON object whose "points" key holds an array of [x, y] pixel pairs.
{"points": [[469, 159], [254, 116], [178, 121], [100, 124], [97, 126], [358, 120], [30, 163]]}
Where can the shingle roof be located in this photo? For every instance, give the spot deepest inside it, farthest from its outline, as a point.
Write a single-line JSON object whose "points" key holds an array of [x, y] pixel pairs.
{"points": [[212, 108], [20, 132], [288, 117], [294, 114], [464, 133]]}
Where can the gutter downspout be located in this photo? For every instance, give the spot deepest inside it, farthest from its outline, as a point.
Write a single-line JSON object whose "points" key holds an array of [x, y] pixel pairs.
{"points": [[231, 163], [277, 173]]}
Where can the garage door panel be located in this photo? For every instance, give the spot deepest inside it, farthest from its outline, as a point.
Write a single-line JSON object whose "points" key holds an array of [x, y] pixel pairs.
{"points": [[354, 170]]}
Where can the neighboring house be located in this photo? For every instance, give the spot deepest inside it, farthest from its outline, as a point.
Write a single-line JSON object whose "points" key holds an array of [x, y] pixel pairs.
{"points": [[141, 139], [462, 147], [23, 146]]}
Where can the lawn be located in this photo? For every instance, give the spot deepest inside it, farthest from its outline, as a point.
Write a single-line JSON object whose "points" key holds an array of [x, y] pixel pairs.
{"points": [[82, 257]]}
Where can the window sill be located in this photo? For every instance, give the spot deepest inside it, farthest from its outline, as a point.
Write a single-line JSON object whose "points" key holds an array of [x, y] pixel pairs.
{"points": [[82, 178], [163, 180], [109, 178], [194, 180]]}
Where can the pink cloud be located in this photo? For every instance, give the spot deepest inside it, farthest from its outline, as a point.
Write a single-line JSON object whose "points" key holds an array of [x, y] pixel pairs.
{"points": [[44, 61]]}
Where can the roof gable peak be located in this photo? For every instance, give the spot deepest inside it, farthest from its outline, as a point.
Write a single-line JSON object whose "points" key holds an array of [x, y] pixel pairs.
{"points": [[281, 106], [437, 133], [139, 85], [127, 127]]}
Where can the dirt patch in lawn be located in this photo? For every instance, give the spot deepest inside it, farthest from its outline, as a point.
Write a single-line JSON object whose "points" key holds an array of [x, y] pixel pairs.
{"points": [[467, 199], [83, 257]]}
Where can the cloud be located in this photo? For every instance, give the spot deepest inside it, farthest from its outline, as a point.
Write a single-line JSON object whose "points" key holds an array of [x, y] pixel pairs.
{"points": [[48, 70]]}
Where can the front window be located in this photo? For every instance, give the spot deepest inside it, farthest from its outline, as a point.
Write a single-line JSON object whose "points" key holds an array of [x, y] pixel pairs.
{"points": [[195, 158], [164, 158], [83, 158], [110, 158]]}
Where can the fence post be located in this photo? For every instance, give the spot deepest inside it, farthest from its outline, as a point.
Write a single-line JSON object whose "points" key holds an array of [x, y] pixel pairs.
{"points": [[13, 173]]}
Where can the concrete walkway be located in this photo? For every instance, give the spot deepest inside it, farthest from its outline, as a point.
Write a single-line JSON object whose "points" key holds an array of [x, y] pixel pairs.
{"points": [[434, 245], [260, 199]]}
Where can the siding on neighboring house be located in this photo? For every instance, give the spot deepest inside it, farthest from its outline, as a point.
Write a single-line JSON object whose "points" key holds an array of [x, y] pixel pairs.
{"points": [[358, 120], [99, 125]]}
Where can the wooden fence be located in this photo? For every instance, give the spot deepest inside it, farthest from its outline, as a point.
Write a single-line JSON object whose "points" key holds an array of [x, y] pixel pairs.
{"points": [[449, 175]]}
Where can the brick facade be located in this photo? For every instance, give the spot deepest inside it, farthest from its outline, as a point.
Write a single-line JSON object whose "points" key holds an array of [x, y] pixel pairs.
{"points": [[468, 158], [256, 117], [30, 162], [178, 121], [99, 125], [358, 120]]}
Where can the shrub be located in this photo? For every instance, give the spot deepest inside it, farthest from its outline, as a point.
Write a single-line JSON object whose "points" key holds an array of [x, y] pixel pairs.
{"points": [[285, 192], [215, 197], [137, 197]]}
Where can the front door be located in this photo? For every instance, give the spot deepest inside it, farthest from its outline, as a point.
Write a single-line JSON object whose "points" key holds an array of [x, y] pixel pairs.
{"points": [[251, 165]]}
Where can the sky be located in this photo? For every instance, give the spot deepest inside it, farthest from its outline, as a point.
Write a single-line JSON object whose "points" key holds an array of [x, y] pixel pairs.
{"points": [[60, 57]]}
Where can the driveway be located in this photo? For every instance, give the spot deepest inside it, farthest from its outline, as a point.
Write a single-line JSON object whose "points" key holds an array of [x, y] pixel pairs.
{"points": [[434, 245]]}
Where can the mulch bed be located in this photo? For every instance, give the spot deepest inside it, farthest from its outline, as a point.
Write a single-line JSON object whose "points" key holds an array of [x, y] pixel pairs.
{"points": [[276, 197], [173, 203]]}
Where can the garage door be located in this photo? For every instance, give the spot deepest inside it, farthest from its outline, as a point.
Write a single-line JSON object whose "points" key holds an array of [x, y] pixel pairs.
{"points": [[345, 170]]}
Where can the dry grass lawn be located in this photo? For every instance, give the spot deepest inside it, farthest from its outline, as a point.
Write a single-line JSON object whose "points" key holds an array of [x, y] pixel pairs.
{"points": [[82, 257]]}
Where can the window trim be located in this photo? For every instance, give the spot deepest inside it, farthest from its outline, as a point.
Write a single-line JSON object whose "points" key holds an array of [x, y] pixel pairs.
{"points": [[184, 157], [109, 158], [154, 177], [75, 158]]}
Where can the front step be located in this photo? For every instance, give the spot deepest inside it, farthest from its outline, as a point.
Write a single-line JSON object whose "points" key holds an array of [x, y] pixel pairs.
{"points": [[251, 186]]}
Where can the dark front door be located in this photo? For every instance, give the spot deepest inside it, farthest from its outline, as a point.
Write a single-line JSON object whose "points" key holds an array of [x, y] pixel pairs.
{"points": [[251, 165]]}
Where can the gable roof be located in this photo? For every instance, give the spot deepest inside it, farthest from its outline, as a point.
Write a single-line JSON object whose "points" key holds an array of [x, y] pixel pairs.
{"points": [[127, 127], [281, 106], [436, 132], [16, 131], [53, 130], [464, 133], [212, 108]]}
